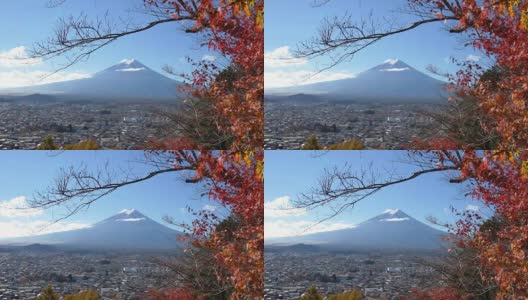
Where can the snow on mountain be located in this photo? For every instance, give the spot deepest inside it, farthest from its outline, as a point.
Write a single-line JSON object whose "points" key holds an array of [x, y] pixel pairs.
{"points": [[391, 211], [127, 211], [395, 219], [393, 229], [131, 219], [127, 61], [127, 230], [394, 81], [391, 61], [130, 70], [127, 80]]}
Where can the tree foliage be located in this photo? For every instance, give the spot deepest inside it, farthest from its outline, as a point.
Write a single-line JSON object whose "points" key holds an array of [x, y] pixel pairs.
{"points": [[89, 144], [435, 293], [47, 144], [48, 294], [236, 181], [311, 294], [312, 144], [235, 30], [353, 144], [84, 295]]}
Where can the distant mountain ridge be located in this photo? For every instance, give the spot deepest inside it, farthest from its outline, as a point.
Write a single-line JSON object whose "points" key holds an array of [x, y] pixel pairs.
{"points": [[393, 229], [127, 230], [127, 80], [394, 81]]}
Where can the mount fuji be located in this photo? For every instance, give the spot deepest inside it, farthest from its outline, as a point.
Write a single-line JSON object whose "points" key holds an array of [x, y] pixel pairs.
{"points": [[393, 229], [127, 230], [394, 81], [130, 80]]}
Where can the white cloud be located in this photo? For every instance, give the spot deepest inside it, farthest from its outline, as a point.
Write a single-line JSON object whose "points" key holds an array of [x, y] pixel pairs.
{"points": [[209, 57], [209, 207], [472, 207], [18, 207], [473, 58], [18, 219], [281, 207], [394, 70], [282, 228], [17, 78], [19, 228], [282, 57], [17, 57], [275, 79]]}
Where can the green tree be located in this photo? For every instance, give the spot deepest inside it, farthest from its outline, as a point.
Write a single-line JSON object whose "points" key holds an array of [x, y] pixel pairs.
{"points": [[48, 294], [311, 294], [47, 144], [312, 144], [350, 295]]}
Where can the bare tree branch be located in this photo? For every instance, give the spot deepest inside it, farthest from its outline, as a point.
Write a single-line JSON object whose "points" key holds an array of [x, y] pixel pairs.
{"points": [[76, 38], [340, 38], [76, 188], [342, 188]]}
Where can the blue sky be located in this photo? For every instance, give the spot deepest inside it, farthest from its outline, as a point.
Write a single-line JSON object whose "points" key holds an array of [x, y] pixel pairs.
{"points": [[165, 44], [24, 173], [294, 21], [289, 173]]}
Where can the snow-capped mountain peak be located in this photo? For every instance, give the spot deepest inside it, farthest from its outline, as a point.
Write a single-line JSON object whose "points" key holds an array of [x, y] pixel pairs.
{"points": [[127, 215], [393, 229], [127, 61], [390, 65], [127, 211], [391, 211], [391, 61], [391, 215], [129, 229], [129, 80], [126, 65]]}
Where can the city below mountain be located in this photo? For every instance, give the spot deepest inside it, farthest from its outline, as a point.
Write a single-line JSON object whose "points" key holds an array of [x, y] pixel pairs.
{"points": [[391, 230], [127, 230], [129, 80], [391, 82]]}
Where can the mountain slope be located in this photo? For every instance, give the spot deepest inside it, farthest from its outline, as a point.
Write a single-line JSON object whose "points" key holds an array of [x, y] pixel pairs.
{"points": [[393, 229], [128, 80], [129, 229], [391, 82]]}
